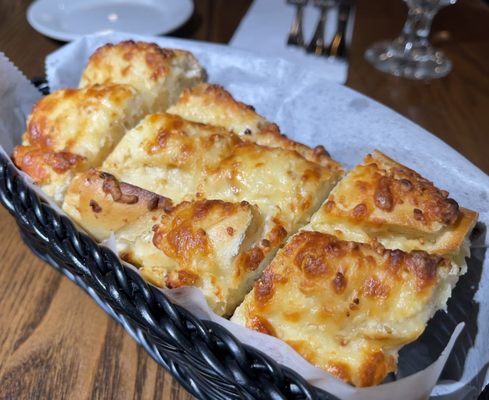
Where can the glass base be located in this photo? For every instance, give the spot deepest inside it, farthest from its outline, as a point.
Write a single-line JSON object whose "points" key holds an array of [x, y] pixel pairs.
{"points": [[397, 58]]}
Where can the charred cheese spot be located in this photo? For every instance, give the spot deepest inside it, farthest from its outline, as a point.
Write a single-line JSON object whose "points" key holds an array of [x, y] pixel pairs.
{"points": [[383, 196], [418, 214], [95, 206], [405, 185], [253, 258], [263, 288], [425, 267], [359, 211], [310, 262], [339, 282]]}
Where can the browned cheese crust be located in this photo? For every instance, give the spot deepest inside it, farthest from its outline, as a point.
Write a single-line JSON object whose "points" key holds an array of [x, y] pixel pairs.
{"points": [[101, 204], [212, 104], [210, 244], [346, 307], [158, 74], [382, 200], [73, 129]]}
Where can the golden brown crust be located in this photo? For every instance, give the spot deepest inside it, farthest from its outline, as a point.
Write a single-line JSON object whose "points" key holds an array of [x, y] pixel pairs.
{"points": [[39, 163], [105, 61], [346, 307], [158, 74], [385, 201], [72, 130], [101, 204], [169, 155], [212, 104], [182, 234], [52, 114], [191, 245]]}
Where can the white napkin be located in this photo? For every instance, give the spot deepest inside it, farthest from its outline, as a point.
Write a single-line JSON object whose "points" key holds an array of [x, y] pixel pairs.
{"points": [[265, 28]]}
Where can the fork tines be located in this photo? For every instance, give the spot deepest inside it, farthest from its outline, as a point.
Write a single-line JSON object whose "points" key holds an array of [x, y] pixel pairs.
{"points": [[296, 37], [337, 48]]}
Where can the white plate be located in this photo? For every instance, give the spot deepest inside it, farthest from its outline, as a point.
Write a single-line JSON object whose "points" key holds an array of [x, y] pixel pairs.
{"points": [[68, 20]]}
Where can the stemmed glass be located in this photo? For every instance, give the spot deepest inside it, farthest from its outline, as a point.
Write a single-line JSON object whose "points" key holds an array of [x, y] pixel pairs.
{"points": [[411, 55]]}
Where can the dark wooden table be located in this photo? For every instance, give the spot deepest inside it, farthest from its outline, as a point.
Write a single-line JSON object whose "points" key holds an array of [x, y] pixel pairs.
{"points": [[55, 343]]}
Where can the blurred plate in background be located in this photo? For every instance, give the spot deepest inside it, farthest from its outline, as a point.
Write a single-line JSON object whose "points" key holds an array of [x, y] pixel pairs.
{"points": [[68, 20]]}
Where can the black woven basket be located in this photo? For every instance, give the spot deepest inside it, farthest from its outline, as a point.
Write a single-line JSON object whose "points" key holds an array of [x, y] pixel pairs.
{"points": [[203, 356]]}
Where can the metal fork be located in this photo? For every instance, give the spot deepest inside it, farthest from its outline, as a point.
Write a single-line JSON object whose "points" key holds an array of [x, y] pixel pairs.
{"points": [[296, 37], [337, 48], [317, 44]]}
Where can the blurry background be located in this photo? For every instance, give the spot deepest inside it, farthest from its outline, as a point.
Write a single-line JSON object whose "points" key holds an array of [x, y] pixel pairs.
{"points": [[454, 108]]}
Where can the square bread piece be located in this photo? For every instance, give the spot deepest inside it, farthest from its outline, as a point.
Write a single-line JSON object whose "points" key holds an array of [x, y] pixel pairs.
{"points": [[384, 201], [101, 204], [71, 130], [347, 307], [170, 156], [212, 104], [206, 243], [185, 160], [158, 74]]}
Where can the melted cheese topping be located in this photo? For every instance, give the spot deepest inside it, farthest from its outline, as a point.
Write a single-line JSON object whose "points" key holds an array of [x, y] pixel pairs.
{"points": [[158, 74], [344, 301], [72, 130], [169, 156], [207, 244], [384, 201], [212, 104], [185, 160], [347, 307]]}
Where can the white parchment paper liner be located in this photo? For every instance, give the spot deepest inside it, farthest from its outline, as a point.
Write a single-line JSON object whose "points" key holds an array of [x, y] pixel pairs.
{"points": [[314, 111]]}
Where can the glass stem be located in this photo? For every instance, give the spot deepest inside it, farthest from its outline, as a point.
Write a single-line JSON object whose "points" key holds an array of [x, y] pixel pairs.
{"points": [[417, 27]]}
